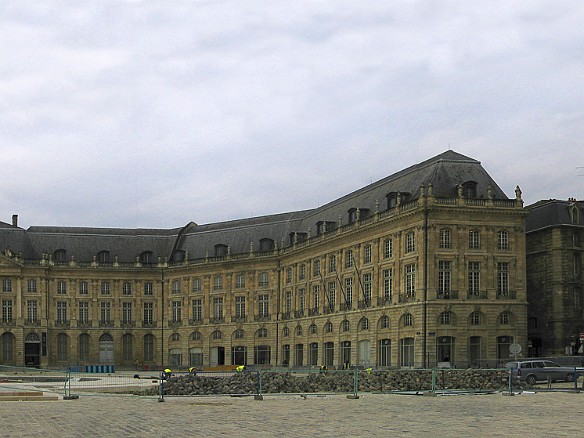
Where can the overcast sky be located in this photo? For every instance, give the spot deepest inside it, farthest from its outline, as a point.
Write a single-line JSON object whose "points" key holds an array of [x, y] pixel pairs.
{"points": [[152, 114]]}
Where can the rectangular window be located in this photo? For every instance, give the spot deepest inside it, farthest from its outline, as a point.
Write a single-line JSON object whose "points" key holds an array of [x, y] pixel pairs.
{"points": [[196, 284], [349, 262], [217, 282], [218, 308], [240, 306], [410, 242], [349, 292], [264, 279], [329, 354], [313, 354], [445, 238], [502, 278], [148, 289], [332, 295], [410, 280], [126, 313], [105, 312], [387, 284], [288, 275], [32, 285], [148, 348], [6, 310], [302, 272], [32, 312], [83, 312], [301, 300], [148, 313], [61, 287], [367, 254], [444, 277], [6, 284], [83, 288], [61, 311], [197, 310], [263, 305], [316, 296], [333, 263], [176, 311], [367, 286], [127, 347], [176, 287], [299, 355], [127, 288], [288, 302], [387, 248], [502, 240], [240, 281], [316, 268], [474, 239], [474, 278], [105, 288]]}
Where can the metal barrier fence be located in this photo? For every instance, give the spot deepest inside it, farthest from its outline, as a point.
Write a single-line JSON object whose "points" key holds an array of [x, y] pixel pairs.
{"points": [[71, 384], [351, 382]]}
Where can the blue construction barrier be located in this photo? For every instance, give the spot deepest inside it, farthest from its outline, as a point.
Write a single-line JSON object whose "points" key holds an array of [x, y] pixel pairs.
{"points": [[102, 369]]}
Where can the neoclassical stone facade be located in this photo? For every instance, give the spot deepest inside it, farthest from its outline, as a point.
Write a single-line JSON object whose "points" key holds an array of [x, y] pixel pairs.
{"points": [[424, 266], [555, 249]]}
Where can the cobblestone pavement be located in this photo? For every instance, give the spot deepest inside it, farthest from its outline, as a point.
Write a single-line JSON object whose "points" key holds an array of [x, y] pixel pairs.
{"points": [[493, 415]]}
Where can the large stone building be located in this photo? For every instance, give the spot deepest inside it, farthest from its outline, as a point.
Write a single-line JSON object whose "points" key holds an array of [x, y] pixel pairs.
{"points": [[423, 266], [555, 248]]}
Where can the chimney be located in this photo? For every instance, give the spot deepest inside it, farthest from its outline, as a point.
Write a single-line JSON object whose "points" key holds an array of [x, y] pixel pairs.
{"points": [[14, 220]]}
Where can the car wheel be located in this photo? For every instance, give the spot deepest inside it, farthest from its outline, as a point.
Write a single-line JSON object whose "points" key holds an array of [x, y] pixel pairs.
{"points": [[530, 380], [570, 377]]}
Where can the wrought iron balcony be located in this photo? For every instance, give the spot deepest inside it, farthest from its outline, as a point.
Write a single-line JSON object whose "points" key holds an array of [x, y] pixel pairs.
{"points": [[507, 295], [84, 324], [261, 318], [313, 312], [447, 295], [299, 314], [149, 324], [364, 304], [346, 306], [478, 295], [383, 301], [106, 323]]}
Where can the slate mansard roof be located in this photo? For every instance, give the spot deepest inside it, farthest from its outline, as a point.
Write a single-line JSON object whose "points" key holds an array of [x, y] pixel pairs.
{"points": [[445, 172], [553, 213]]}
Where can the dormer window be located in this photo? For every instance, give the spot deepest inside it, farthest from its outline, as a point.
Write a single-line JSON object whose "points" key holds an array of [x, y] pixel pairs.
{"points": [[60, 255], [103, 256], [220, 250], [179, 255], [325, 226], [266, 245], [352, 215], [469, 189], [146, 257]]}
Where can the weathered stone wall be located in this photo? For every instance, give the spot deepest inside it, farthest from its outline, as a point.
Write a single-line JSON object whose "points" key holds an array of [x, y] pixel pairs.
{"points": [[338, 382]]}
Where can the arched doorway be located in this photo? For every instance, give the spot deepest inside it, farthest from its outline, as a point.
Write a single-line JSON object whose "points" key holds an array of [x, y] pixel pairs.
{"points": [[106, 349], [32, 350]]}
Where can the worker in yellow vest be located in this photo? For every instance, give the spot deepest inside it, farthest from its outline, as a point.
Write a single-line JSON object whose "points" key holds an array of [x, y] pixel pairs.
{"points": [[240, 368]]}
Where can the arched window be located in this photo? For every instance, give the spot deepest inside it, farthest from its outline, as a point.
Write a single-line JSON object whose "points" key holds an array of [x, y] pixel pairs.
{"points": [[364, 324], [384, 322], [216, 335], [196, 336], [238, 334], [408, 320], [312, 329], [262, 333], [328, 327], [299, 330], [345, 325], [286, 332]]}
